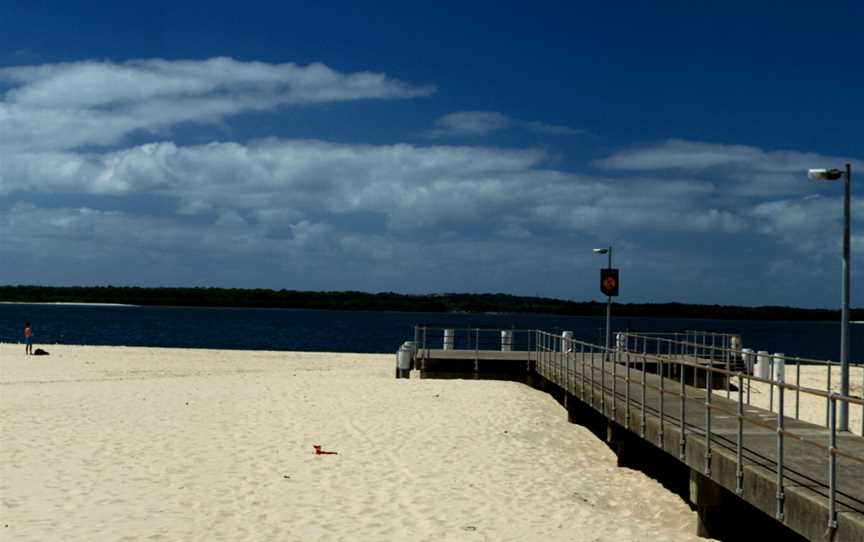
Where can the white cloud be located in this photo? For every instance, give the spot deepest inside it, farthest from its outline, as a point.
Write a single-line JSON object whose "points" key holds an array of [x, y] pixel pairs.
{"points": [[64, 106], [481, 123], [747, 170], [811, 225], [410, 187], [679, 154], [470, 123], [551, 129]]}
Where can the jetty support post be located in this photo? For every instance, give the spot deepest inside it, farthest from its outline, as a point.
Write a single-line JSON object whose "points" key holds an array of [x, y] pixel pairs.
{"points": [[624, 443], [711, 504]]}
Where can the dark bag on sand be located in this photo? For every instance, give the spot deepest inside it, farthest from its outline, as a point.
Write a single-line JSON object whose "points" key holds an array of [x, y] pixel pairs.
{"points": [[40, 352]]}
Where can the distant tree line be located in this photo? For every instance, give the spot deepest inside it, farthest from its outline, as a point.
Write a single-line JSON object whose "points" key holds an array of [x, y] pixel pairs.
{"points": [[390, 301]]}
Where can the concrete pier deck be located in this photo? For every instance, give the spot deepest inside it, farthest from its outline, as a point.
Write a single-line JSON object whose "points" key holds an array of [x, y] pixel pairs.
{"points": [[640, 407]]}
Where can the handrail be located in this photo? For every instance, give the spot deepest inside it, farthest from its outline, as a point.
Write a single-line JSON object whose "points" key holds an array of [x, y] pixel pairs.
{"points": [[655, 336], [547, 343], [739, 356]]}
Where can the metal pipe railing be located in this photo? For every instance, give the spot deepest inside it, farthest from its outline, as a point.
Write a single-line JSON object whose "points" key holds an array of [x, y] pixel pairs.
{"points": [[695, 344], [679, 365]]}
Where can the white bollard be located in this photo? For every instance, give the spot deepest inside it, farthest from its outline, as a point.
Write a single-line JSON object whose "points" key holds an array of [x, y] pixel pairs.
{"points": [[566, 345], [779, 367], [412, 348], [403, 362], [449, 339], [735, 346], [506, 340], [763, 359], [620, 346], [749, 357]]}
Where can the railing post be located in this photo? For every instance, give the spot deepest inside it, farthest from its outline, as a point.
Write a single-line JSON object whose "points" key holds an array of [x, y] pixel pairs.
{"points": [[727, 358], [592, 377], [681, 447], [542, 363], [582, 357], [569, 355], [559, 366], [707, 422], [739, 445], [554, 348], [614, 383], [556, 360], [642, 406], [566, 366], [780, 493], [540, 351], [828, 390], [660, 441], [670, 366], [771, 383], [797, 387], [713, 348], [477, 350], [603, 383], [627, 389], [832, 462]]}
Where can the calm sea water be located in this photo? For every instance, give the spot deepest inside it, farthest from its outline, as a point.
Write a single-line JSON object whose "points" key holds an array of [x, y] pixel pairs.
{"points": [[341, 331]]}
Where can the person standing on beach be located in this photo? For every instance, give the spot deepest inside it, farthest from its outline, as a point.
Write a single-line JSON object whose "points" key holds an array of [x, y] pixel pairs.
{"points": [[28, 338]]}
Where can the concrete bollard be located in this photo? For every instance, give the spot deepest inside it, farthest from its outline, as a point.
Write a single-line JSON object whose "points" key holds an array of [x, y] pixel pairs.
{"points": [[763, 359], [620, 346], [566, 345], [736, 346], [779, 367], [506, 341], [412, 347], [403, 361], [748, 357], [449, 339]]}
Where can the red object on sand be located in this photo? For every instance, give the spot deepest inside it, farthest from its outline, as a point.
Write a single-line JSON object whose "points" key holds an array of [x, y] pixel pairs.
{"points": [[319, 451]]}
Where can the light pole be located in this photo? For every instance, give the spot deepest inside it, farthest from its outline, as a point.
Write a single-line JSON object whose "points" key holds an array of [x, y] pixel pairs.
{"points": [[608, 300], [833, 175]]}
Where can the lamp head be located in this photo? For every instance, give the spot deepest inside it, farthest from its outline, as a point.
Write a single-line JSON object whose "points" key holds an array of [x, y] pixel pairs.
{"points": [[600, 250], [824, 174]]}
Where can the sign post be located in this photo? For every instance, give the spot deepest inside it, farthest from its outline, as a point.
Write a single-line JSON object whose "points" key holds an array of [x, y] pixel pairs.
{"points": [[609, 286]]}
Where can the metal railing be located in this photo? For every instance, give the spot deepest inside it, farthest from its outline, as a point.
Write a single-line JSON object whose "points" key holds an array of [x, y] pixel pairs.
{"points": [[568, 361], [475, 339], [710, 347]]}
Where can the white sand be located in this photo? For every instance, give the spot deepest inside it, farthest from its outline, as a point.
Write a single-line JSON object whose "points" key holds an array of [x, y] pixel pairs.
{"points": [[101, 443], [812, 408]]}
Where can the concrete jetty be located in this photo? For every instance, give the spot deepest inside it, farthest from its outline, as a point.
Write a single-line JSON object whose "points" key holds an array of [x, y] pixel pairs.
{"points": [[730, 459]]}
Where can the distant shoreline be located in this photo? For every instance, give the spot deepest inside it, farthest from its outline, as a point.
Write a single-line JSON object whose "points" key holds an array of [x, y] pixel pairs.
{"points": [[484, 303], [71, 303]]}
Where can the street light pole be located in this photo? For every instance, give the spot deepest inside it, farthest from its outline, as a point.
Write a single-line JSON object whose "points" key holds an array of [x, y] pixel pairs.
{"points": [[844, 306], [833, 175]]}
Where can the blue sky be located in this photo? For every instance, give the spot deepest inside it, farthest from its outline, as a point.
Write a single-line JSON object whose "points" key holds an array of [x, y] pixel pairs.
{"points": [[456, 146]]}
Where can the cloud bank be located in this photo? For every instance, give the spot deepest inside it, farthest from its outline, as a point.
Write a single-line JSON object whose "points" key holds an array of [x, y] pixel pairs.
{"points": [[746, 170], [93, 181], [70, 105]]}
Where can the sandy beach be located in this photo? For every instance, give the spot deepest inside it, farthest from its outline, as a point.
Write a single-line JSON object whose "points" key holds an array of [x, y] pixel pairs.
{"points": [[111, 443]]}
